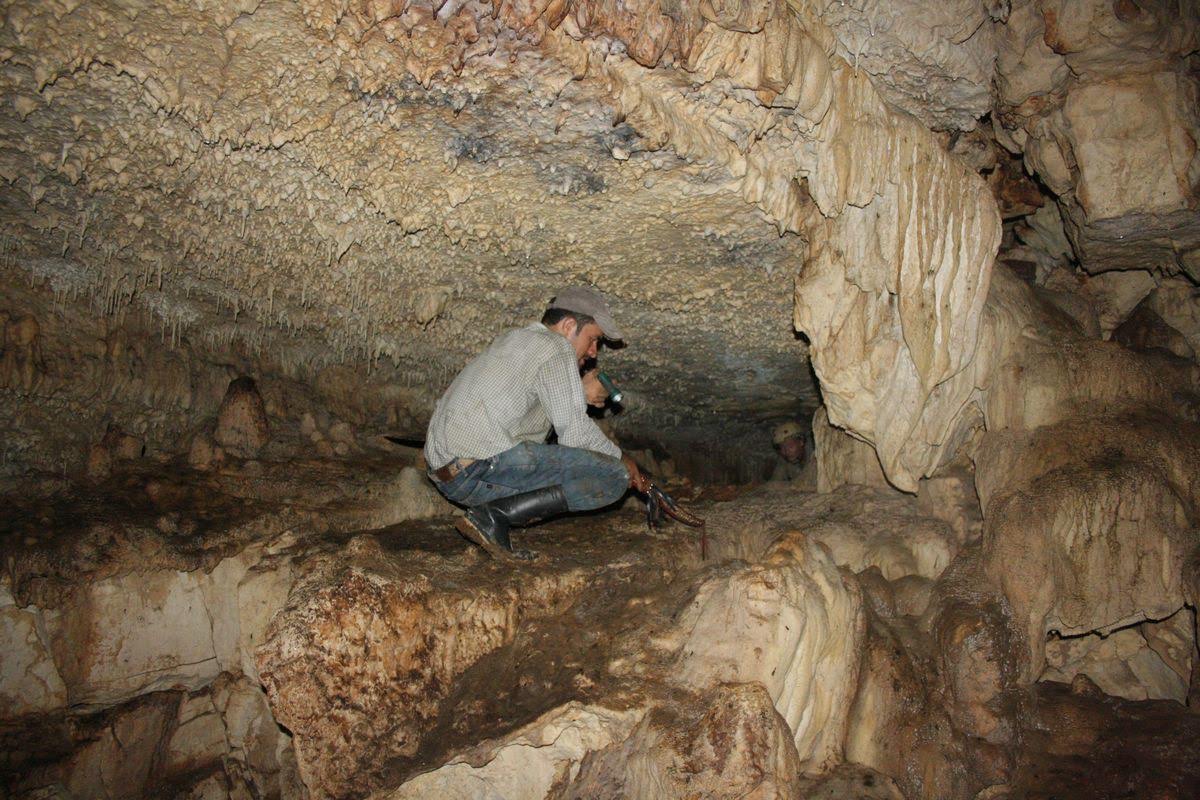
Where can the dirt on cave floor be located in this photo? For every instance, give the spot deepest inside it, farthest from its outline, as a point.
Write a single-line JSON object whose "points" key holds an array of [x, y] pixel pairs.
{"points": [[1077, 743]]}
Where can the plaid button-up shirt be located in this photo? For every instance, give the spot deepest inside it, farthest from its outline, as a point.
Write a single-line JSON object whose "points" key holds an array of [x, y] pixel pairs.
{"points": [[514, 391]]}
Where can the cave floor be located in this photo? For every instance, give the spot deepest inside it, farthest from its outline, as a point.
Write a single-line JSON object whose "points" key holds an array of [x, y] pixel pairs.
{"points": [[629, 584]]}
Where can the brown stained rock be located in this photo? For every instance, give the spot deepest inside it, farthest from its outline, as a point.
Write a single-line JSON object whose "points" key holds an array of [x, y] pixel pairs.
{"points": [[29, 679], [890, 706], [204, 454], [21, 361], [165, 744], [1146, 330], [860, 526], [359, 661], [1016, 194], [842, 459], [727, 743], [851, 780], [940, 700], [978, 667], [1123, 664], [1085, 745], [242, 427], [99, 462], [949, 495], [1177, 301], [1087, 523], [530, 762], [116, 446], [791, 622], [710, 725]]}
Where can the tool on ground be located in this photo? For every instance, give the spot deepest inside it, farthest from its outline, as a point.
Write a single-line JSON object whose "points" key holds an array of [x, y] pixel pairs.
{"points": [[660, 505], [614, 394]]}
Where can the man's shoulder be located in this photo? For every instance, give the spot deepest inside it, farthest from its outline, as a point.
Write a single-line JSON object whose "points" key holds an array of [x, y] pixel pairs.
{"points": [[534, 339]]}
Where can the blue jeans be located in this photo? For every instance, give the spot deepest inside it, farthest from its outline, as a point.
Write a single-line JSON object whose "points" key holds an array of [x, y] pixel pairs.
{"points": [[589, 479]]}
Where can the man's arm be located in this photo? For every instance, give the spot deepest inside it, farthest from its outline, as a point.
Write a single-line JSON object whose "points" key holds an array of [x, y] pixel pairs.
{"points": [[560, 392]]}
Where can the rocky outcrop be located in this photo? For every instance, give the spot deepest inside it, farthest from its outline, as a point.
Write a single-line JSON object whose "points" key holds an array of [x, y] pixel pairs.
{"points": [[1088, 523], [726, 743], [791, 623], [362, 656], [1099, 99], [860, 527], [531, 763], [934, 61]]}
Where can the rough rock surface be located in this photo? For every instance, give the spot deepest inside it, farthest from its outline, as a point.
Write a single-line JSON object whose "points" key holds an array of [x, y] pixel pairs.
{"points": [[242, 427], [861, 527], [363, 655], [347, 201], [1152, 660], [528, 763], [730, 742], [1088, 523], [1100, 99]]}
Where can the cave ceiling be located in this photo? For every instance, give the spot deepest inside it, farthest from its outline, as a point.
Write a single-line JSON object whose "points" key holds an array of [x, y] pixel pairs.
{"points": [[240, 173], [382, 186]]}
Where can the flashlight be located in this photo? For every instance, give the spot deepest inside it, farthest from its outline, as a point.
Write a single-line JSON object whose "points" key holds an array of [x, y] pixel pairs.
{"points": [[614, 393]]}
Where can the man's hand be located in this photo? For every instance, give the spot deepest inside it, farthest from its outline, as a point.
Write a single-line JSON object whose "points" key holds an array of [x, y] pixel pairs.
{"points": [[637, 481], [593, 390]]}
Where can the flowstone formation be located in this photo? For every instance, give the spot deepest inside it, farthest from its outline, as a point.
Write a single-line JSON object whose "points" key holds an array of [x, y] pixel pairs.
{"points": [[246, 244]]}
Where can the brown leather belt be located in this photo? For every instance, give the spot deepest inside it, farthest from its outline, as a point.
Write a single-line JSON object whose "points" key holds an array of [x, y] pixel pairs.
{"points": [[447, 473]]}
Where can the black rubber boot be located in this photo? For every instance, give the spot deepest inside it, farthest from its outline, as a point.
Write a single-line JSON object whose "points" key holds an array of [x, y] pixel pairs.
{"points": [[488, 525]]}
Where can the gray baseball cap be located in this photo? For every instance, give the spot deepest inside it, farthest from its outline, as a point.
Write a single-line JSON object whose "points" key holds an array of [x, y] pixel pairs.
{"points": [[583, 300]]}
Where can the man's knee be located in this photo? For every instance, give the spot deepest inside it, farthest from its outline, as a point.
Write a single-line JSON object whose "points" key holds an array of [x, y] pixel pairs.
{"points": [[601, 483], [615, 479]]}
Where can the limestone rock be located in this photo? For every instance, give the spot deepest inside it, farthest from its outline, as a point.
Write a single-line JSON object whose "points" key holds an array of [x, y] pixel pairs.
{"points": [[842, 459], [978, 670], [934, 61], [198, 738], [851, 780], [888, 704], [949, 495], [29, 679], [410, 496], [1116, 294], [527, 764], [792, 623], [362, 655], [1177, 301], [859, 526], [21, 359], [131, 634], [123, 752], [204, 454], [1099, 99], [1087, 523], [220, 742], [1122, 664], [730, 743], [138, 632], [1146, 330], [242, 427]]}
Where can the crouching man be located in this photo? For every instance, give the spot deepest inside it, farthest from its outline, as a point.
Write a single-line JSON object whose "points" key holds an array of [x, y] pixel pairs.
{"points": [[486, 441]]}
